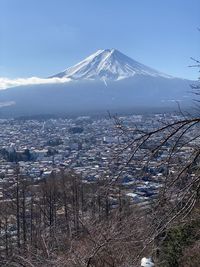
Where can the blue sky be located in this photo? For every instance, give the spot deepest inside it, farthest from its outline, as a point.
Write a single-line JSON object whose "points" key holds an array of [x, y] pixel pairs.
{"points": [[43, 37]]}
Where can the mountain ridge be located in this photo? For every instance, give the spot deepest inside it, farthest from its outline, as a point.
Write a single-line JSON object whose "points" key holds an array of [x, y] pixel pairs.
{"points": [[108, 64], [106, 80]]}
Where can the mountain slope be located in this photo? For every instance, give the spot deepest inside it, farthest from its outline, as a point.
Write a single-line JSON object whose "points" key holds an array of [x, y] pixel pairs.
{"points": [[107, 80], [108, 64]]}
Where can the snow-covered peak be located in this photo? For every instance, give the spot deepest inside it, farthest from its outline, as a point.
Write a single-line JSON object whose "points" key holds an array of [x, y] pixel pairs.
{"points": [[108, 64]]}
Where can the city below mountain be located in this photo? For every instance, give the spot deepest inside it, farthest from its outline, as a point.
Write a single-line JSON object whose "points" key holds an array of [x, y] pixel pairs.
{"points": [[106, 80]]}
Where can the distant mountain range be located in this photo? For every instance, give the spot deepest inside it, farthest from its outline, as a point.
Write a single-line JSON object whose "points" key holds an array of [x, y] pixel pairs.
{"points": [[106, 80]]}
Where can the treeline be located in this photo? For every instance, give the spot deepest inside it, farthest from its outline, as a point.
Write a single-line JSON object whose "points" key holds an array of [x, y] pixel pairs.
{"points": [[14, 156]]}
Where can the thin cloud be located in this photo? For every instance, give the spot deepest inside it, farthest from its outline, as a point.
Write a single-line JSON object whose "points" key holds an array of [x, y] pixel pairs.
{"points": [[7, 104], [8, 83]]}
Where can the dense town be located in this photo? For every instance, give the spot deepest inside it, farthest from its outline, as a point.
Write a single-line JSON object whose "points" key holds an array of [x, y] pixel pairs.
{"points": [[91, 147]]}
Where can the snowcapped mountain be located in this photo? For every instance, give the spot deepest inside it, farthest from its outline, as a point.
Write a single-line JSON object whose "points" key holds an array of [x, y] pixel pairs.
{"points": [[108, 64], [106, 80]]}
